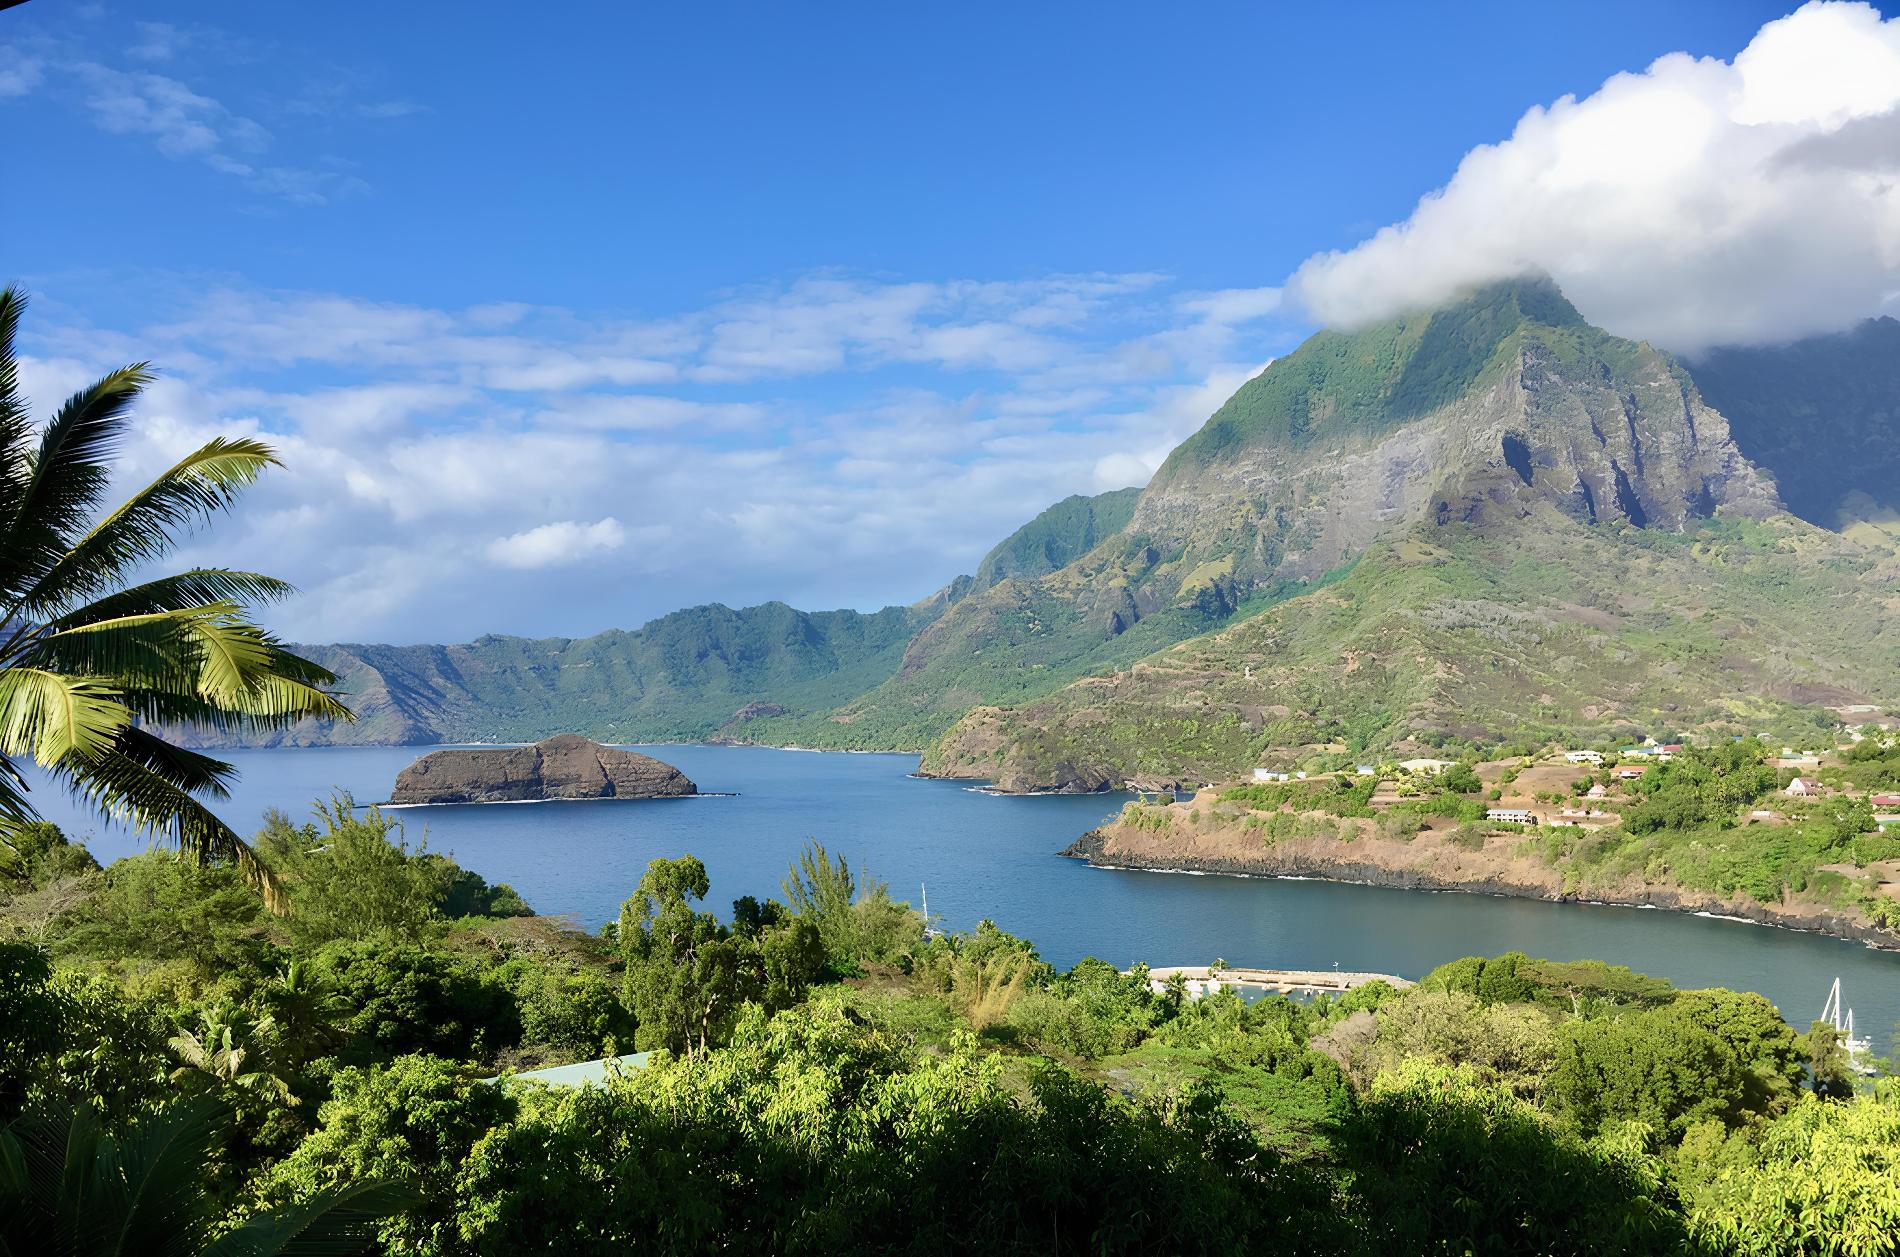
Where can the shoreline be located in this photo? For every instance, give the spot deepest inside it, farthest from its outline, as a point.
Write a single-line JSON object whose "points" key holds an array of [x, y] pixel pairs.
{"points": [[1091, 848]]}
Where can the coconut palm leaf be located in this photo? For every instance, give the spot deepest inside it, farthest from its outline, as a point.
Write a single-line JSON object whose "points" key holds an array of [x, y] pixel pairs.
{"points": [[71, 470], [194, 588], [94, 668], [69, 1186], [15, 423], [54, 717], [127, 790], [206, 481]]}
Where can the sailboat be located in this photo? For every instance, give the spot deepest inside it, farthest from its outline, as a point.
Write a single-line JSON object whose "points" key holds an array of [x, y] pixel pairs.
{"points": [[930, 931], [1859, 1047]]}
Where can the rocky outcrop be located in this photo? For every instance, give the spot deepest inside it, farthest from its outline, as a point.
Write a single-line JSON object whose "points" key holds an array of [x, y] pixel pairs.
{"points": [[1505, 866], [566, 766]]}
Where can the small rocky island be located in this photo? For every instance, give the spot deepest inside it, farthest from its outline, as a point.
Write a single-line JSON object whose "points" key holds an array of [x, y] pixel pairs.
{"points": [[566, 766]]}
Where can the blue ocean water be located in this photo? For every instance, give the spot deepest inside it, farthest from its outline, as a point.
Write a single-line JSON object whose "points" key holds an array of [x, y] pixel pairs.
{"points": [[982, 856]]}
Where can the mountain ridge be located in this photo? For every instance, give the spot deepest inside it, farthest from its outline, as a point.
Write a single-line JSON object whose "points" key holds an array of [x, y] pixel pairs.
{"points": [[1502, 416]]}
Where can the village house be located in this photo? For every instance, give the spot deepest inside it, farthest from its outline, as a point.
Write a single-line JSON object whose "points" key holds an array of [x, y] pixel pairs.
{"points": [[1268, 774], [1628, 772], [1597, 791], [1884, 800], [1511, 815], [1426, 767], [1584, 757], [1803, 788]]}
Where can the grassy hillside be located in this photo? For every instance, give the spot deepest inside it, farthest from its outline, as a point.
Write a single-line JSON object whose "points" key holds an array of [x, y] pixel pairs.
{"points": [[1555, 629]]}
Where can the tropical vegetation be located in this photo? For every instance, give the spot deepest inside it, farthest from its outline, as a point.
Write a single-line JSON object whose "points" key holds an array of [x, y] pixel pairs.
{"points": [[99, 653]]}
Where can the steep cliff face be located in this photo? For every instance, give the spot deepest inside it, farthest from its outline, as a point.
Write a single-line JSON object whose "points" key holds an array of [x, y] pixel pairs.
{"points": [[566, 766], [1484, 414], [1476, 413], [1821, 415]]}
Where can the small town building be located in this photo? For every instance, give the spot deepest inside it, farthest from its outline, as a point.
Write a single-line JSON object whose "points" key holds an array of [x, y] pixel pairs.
{"points": [[1884, 800], [1511, 815], [1427, 767], [1628, 772], [1584, 757], [1597, 791], [1803, 788], [1268, 774]]}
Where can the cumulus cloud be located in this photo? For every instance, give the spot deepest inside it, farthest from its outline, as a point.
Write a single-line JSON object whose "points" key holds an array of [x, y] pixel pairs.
{"points": [[1695, 203], [558, 544], [446, 471]]}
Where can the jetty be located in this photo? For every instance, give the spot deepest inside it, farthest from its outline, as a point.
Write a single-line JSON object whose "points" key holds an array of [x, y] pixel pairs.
{"points": [[1206, 979]]}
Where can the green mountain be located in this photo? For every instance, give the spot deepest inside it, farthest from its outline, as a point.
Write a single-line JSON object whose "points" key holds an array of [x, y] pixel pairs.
{"points": [[1057, 537], [1449, 634], [1485, 521], [686, 676], [1821, 415]]}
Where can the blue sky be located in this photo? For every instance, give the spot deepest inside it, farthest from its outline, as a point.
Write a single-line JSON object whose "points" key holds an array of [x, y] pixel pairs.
{"points": [[566, 320]]}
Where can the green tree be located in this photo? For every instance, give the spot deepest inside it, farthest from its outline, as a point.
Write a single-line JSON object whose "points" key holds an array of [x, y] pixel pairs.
{"points": [[69, 1186], [856, 917], [405, 998], [686, 974], [92, 667], [414, 1121], [349, 879], [1445, 1164]]}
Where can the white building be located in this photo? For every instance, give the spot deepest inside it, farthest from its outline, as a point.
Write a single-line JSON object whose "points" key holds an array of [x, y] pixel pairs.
{"points": [[1803, 788], [1267, 774], [1511, 815], [1584, 757], [1426, 767]]}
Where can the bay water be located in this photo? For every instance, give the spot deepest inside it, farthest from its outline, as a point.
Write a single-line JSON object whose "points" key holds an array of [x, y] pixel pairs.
{"points": [[980, 855]]}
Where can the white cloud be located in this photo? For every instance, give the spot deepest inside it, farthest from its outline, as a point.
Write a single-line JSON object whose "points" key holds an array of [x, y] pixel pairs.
{"points": [[440, 464], [558, 544], [19, 73], [1695, 203]]}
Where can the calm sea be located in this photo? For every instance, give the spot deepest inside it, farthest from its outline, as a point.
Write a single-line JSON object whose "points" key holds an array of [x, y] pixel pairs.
{"points": [[982, 856]]}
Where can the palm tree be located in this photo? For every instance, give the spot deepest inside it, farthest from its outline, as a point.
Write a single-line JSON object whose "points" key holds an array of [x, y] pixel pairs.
{"points": [[96, 654], [68, 1186], [216, 1051]]}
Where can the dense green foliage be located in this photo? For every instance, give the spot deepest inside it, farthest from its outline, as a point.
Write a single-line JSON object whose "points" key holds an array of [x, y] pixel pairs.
{"points": [[1466, 639], [834, 1080], [1057, 537]]}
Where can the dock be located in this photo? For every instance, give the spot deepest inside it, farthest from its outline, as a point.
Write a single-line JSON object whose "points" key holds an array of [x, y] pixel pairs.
{"points": [[1205, 980]]}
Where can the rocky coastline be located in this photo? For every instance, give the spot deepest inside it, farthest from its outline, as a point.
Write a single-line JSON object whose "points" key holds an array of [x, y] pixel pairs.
{"points": [[1364, 863]]}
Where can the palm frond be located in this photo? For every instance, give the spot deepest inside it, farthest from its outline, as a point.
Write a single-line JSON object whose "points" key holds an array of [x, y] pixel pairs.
{"points": [[69, 473], [335, 1222], [204, 482], [54, 717], [187, 770], [195, 588], [127, 790], [208, 652], [15, 424]]}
